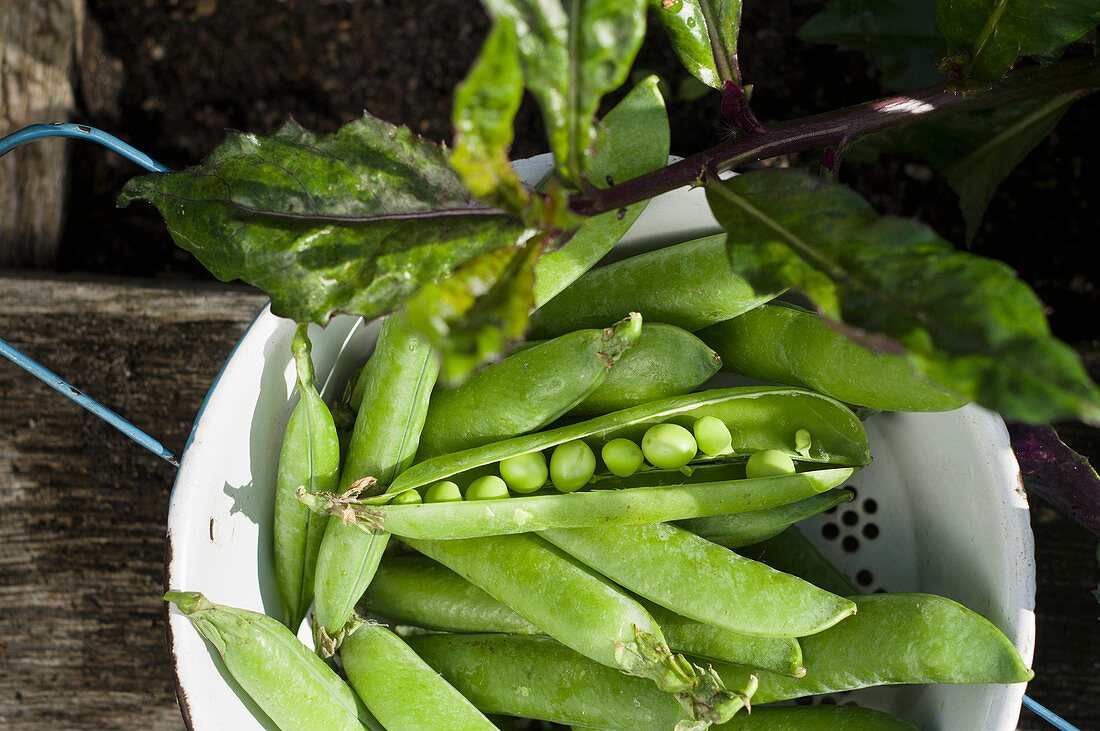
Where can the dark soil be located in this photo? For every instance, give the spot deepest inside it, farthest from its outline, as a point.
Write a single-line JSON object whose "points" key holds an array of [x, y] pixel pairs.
{"points": [[171, 77]]}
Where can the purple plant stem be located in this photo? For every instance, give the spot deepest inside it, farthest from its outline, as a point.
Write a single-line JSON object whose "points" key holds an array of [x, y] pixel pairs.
{"points": [[840, 127], [1057, 474]]}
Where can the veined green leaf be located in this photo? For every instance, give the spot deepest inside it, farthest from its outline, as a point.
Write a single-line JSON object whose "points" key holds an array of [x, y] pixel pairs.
{"points": [[477, 314], [632, 139], [985, 37], [704, 36], [900, 37], [964, 321], [573, 52], [975, 151], [353, 222], [484, 111]]}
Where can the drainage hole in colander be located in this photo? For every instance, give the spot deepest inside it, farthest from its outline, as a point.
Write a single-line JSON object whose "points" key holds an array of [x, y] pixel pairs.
{"points": [[850, 517], [850, 544], [829, 531], [870, 531], [864, 577], [870, 506]]}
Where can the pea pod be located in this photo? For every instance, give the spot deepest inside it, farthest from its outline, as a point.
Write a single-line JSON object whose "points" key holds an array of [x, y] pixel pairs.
{"points": [[761, 418], [895, 639], [527, 390], [666, 361], [816, 718], [785, 344], [670, 495], [689, 285], [791, 552], [309, 457], [418, 591], [743, 529], [709, 583], [399, 688], [535, 677], [581, 610], [293, 686], [397, 384]]}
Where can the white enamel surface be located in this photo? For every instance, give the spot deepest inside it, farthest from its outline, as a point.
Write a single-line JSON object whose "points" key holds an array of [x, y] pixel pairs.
{"points": [[952, 519]]}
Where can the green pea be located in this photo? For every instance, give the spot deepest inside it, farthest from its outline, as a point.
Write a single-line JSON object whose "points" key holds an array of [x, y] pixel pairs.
{"points": [[713, 436], [668, 446], [802, 441], [572, 465], [409, 497], [443, 491], [525, 473], [622, 457], [769, 463], [489, 487]]}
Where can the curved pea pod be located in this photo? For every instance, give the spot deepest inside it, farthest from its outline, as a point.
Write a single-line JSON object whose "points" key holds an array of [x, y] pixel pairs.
{"points": [[309, 457], [689, 285], [759, 418], [704, 581], [791, 552], [582, 610], [784, 344], [816, 718], [895, 639], [666, 361], [416, 590], [293, 686], [743, 529], [525, 391], [651, 497], [399, 688], [536, 677], [397, 384]]}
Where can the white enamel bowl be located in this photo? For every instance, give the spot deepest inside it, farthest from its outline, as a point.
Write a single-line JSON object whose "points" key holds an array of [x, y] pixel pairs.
{"points": [[940, 509]]}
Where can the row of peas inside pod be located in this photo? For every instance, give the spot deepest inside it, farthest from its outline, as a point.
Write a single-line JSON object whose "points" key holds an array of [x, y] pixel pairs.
{"points": [[617, 592]]}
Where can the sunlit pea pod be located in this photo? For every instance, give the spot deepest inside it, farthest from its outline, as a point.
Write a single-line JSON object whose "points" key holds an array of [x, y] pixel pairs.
{"points": [[536, 677], [309, 457], [399, 688], [759, 418], [525, 391], [895, 639], [293, 686], [666, 361], [582, 610], [701, 580], [689, 285], [418, 591], [793, 553], [785, 344], [743, 529], [670, 496], [397, 385]]}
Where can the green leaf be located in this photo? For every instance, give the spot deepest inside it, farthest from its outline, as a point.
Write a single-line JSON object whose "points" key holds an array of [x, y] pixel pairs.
{"points": [[964, 321], [704, 36], [985, 37], [353, 222], [975, 151], [900, 37], [633, 139], [573, 52], [484, 111], [478, 313]]}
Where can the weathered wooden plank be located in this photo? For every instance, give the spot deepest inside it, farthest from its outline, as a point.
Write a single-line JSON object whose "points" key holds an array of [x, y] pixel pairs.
{"points": [[83, 509], [38, 39]]}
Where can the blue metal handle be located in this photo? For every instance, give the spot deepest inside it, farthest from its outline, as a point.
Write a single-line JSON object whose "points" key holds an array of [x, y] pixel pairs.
{"points": [[83, 132]]}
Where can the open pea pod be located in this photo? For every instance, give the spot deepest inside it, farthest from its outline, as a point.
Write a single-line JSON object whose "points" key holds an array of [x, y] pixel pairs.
{"points": [[758, 419]]}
